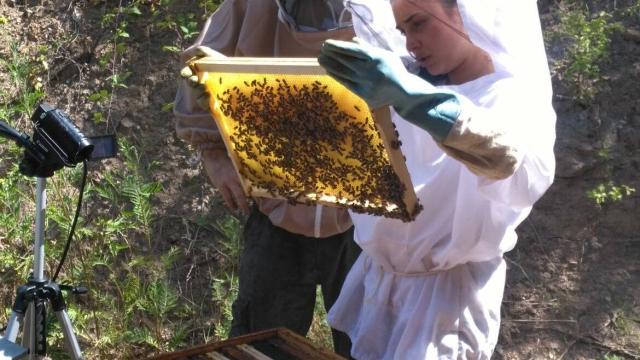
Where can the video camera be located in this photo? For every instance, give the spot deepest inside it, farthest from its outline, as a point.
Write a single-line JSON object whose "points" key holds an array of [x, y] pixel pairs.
{"points": [[56, 143]]}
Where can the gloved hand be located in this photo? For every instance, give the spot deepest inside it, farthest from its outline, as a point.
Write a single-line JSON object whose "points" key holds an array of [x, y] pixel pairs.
{"points": [[199, 91], [380, 78], [223, 176]]}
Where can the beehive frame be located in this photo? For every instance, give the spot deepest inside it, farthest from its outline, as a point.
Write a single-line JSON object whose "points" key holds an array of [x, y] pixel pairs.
{"points": [[288, 345], [375, 126]]}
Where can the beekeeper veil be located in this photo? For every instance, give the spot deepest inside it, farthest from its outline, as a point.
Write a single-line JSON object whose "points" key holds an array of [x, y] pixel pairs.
{"points": [[313, 15], [508, 30]]}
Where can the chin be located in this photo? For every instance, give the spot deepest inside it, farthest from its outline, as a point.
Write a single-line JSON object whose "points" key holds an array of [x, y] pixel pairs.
{"points": [[432, 67], [435, 70]]}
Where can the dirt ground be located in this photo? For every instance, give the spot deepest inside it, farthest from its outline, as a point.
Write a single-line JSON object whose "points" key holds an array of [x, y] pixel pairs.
{"points": [[573, 287]]}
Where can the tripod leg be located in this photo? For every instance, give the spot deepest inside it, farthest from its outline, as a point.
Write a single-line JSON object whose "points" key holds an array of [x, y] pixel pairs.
{"points": [[13, 328], [69, 336], [9, 350], [27, 329], [34, 333], [39, 339]]}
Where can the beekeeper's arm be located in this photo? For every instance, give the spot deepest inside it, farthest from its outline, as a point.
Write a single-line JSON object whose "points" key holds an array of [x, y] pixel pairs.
{"points": [[379, 77], [219, 35], [193, 121]]}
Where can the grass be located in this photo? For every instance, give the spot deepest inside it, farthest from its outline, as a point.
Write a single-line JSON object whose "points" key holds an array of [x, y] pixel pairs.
{"points": [[320, 332]]}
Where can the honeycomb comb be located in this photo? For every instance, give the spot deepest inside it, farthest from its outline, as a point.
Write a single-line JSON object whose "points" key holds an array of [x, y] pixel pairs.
{"points": [[294, 133]]}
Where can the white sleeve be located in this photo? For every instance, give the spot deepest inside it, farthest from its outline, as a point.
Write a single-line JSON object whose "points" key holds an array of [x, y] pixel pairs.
{"points": [[508, 143]]}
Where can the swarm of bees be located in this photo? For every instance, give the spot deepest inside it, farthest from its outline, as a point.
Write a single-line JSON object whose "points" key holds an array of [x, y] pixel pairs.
{"points": [[290, 137]]}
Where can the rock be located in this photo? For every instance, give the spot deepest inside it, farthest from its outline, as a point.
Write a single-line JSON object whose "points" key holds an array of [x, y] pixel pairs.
{"points": [[126, 123]]}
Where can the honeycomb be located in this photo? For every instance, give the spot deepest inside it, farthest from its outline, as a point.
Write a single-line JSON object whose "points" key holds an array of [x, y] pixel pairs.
{"points": [[308, 139]]}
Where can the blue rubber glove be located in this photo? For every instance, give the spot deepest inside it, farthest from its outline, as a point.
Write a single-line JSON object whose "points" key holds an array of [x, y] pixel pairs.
{"points": [[380, 78]]}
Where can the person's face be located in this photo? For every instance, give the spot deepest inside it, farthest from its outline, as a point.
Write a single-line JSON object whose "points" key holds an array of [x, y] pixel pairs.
{"points": [[436, 46]]}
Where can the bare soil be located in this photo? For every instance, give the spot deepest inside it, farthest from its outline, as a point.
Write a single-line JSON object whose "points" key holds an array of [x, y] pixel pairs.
{"points": [[573, 287]]}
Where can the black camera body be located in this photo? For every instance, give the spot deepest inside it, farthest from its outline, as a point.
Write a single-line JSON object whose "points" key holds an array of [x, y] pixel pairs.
{"points": [[57, 143], [58, 138]]}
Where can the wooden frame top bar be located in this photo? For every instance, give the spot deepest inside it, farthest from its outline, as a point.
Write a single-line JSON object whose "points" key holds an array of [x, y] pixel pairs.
{"points": [[249, 65]]}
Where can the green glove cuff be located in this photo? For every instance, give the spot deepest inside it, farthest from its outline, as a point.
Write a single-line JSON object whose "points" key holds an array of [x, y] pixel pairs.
{"points": [[435, 113]]}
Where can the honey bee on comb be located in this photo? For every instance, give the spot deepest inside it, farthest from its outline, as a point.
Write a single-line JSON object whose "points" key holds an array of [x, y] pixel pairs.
{"points": [[296, 134]]}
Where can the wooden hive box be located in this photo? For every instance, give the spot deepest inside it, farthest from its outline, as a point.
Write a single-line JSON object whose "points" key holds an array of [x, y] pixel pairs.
{"points": [[295, 133], [274, 344]]}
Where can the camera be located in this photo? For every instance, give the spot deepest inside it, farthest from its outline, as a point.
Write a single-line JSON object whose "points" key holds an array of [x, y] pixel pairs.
{"points": [[59, 139], [57, 142]]}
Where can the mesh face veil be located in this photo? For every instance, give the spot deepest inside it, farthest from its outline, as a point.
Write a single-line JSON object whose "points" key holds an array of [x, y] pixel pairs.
{"points": [[373, 23], [312, 15]]}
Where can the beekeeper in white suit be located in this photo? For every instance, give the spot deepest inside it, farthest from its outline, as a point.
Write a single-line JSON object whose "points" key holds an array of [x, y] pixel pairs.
{"points": [[477, 129]]}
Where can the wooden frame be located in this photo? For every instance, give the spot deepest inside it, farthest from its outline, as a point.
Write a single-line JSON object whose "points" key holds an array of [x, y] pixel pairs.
{"points": [[289, 343], [208, 67]]}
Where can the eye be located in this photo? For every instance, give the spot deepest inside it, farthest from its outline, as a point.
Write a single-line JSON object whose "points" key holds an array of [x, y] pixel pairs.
{"points": [[417, 24]]}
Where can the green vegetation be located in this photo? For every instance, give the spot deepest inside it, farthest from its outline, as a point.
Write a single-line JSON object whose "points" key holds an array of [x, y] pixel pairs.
{"points": [[609, 193], [589, 39], [21, 73], [612, 357], [588, 36], [224, 289]]}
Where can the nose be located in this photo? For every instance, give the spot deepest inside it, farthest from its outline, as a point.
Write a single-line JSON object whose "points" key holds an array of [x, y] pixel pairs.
{"points": [[412, 44]]}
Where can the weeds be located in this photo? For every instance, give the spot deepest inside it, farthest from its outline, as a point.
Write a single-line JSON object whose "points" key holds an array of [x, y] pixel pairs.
{"points": [[320, 331], [588, 37], [225, 282], [612, 357], [589, 40], [21, 72], [609, 193], [633, 11]]}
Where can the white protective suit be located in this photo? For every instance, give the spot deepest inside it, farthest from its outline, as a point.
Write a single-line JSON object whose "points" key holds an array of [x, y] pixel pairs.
{"points": [[432, 288]]}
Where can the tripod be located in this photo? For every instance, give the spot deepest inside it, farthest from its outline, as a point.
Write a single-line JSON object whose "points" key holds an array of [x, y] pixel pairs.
{"points": [[32, 299]]}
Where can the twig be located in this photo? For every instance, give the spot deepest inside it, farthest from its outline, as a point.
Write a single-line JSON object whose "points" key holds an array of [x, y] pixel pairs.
{"points": [[631, 34], [520, 267], [573, 342], [540, 321], [534, 228], [586, 340], [610, 348], [192, 239], [114, 66]]}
